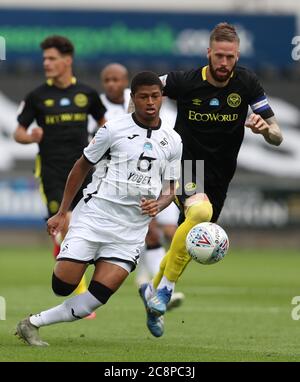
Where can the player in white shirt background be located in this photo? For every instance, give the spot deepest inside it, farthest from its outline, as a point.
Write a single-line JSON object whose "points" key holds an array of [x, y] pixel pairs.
{"points": [[116, 96], [111, 226]]}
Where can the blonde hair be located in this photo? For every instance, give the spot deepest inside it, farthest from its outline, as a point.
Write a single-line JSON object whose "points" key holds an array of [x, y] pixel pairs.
{"points": [[224, 32]]}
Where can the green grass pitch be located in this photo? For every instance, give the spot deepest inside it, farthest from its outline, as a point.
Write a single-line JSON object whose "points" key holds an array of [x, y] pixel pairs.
{"points": [[236, 310]]}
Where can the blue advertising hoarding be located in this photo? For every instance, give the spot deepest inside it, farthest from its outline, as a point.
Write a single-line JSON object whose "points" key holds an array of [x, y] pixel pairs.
{"points": [[170, 38], [21, 205]]}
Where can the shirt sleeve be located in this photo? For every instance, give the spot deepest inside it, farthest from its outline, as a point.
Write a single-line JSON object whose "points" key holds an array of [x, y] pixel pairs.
{"points": [[27, 113], [258, 100], [173, 166], [173, 84], [97, 109], [98, 146]]}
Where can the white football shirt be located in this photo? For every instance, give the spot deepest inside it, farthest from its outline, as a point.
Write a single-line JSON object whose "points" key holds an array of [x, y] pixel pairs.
{"points": [[168, 113], [114, 110], [139, 159]]}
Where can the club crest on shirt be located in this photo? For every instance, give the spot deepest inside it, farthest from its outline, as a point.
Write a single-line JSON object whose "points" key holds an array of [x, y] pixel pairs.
{"points": [[164, 142], [234, 100], [80, 100]]}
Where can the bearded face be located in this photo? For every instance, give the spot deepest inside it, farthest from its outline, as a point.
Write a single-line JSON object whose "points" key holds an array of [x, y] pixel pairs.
{"points": [[221, 73], [222, 59]]}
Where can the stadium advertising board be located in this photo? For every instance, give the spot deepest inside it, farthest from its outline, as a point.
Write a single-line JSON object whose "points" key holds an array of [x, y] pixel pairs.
{"points": [[246, 207], [153, 37]]}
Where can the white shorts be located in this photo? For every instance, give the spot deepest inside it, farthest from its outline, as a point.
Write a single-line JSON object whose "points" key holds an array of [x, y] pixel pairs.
{"points": [[168, 216], [84, 251], [102, 221]]}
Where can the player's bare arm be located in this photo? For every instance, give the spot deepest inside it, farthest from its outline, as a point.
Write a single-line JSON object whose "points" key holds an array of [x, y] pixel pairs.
{"points": [[152, 207], [268, 128], [74, 182], [21, 135]]}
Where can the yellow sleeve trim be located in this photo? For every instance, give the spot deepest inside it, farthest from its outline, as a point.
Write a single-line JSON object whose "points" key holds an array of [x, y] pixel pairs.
{"points": [[204, 72], [50, 81]]}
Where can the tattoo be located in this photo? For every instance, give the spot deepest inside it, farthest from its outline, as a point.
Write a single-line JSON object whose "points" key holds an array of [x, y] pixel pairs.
{"points": [[274, 136]]}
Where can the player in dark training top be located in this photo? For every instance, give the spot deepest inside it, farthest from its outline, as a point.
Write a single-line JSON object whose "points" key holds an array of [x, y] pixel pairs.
{"points": [[60, 108], [212, 104]]}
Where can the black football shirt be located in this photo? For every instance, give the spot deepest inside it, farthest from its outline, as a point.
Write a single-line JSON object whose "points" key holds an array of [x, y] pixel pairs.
{"points": [[63, 116], [211, 122]]}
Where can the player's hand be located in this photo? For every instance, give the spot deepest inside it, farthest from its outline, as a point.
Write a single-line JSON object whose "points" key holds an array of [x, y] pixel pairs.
{"points": [[55, 224], [149, 207], [37, 134], [257, 124]]}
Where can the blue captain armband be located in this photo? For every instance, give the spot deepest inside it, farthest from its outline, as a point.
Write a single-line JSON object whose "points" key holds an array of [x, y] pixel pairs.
{"points": [[260, 104]]}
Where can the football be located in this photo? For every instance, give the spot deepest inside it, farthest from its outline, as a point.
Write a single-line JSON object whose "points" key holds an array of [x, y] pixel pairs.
{"points": [[207, 243]]}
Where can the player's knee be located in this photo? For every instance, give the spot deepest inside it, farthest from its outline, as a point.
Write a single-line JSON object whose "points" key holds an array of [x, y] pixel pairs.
{"points": [[198, 209], [61, 288], [101, 292]]}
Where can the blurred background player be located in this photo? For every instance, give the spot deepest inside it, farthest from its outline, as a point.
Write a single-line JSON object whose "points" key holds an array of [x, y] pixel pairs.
{"points": [[60, 108], [212, 105], [114, 79], [116, 96]]}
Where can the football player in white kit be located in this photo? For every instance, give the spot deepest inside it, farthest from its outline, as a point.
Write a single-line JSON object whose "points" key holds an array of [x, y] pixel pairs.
{"points": [[110, 228], [115, 98]]}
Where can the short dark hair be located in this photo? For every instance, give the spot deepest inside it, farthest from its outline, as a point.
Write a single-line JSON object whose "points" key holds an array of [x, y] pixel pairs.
{"points": [[224, 32], [145, 78], [61, 43]]}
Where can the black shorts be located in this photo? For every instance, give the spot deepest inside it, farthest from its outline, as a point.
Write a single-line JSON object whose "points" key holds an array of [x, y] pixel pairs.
{"points": [[52, 190], [215, 195]]}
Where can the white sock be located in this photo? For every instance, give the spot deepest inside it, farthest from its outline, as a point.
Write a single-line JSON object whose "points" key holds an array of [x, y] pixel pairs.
{"points": [[141, 274], [164, 282], [72, 309], [153, 258], [149, 292]]}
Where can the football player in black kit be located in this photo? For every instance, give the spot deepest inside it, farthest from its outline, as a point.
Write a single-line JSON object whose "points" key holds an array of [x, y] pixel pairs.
{"points": [[212, 105], [60, 108]]}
